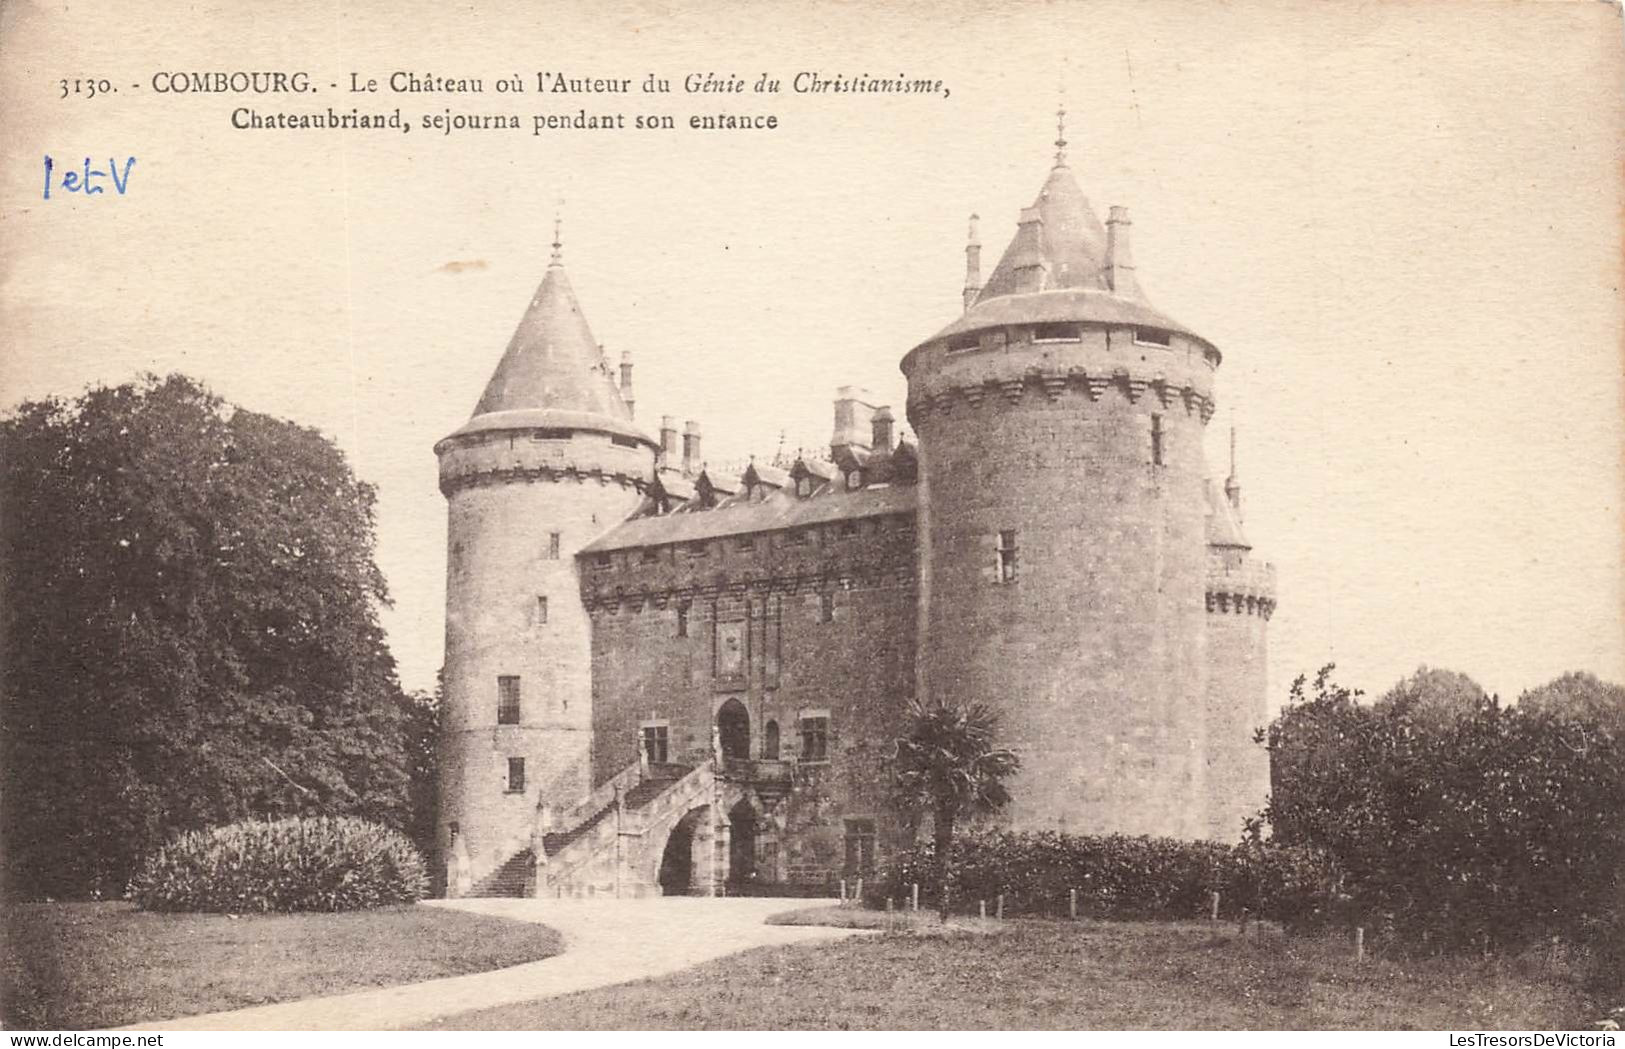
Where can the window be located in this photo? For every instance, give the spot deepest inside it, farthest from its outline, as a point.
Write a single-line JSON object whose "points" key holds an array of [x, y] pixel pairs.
{"points": [[826, 607], [550, 435], [508, 699], [815, 737], [854, 479], [624, 442], [650, 555], [1156, 440], [697, 549], [682, 617], [960, 343], [849, 528], [860, 848], [1151, 337], [1007, 556], [516, 775], [541, 608], [770, 741], [746, 544], [601, 561], [656, 740], [1055, 333], [554, 539], [804, 486]]}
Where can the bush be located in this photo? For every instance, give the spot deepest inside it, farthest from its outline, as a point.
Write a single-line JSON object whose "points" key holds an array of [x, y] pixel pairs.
{"points": [[1118, 876], [302, 864]]}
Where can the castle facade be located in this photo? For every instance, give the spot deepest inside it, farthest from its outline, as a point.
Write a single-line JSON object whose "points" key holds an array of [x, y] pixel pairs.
{"points": [[663, 678]]}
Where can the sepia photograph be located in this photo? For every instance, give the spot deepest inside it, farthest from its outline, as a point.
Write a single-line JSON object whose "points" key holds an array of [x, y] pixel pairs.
{"points": [[1027, 516]]}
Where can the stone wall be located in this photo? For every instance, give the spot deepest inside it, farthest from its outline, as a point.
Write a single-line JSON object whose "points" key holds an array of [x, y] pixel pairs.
{"points": [[1094, 655], [1240, 601], [507, 495], [770, 592]]}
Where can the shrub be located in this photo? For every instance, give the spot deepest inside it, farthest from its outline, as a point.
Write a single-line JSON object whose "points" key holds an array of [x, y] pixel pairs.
{"points": [[1117, 876], [302, 864]]}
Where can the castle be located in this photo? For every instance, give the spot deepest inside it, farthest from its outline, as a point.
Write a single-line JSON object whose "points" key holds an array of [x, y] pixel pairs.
{"points": [[662, 678]]}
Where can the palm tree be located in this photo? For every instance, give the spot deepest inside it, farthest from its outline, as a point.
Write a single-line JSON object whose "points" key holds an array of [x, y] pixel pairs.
{"points": [[949, 762]]}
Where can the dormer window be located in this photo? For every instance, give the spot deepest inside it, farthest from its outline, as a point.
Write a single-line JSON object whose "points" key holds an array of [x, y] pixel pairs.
{"points": [[854, 480], [804, 485]]}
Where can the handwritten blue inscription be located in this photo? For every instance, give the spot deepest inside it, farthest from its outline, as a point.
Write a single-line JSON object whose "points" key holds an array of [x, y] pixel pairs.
{"points": [[74, 181]]}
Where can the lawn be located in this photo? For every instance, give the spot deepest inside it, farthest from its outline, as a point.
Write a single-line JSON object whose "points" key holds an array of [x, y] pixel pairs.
{"points": [[1028, 975], [88, 965]]}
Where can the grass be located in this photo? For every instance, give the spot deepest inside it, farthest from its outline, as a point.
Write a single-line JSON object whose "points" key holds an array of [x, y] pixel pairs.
{"points": [[1044, 975], [90, 965]]}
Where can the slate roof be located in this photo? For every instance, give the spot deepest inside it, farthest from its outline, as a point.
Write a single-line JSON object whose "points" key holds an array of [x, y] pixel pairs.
{"points": [[1070, 245], [1223, 524], [553, 363], [780, 510]]}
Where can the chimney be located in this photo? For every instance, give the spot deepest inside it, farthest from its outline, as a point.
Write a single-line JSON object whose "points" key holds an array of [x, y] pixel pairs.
{"points": [[1032, 269], [853, 414], [668, 443], [1119, 257], [691, 448], [973, 263], [626, 379], [881, 426]]}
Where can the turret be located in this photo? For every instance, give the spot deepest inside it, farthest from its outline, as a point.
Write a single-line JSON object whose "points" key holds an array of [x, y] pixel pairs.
{"points": [[1061, 520], [548, 461]]}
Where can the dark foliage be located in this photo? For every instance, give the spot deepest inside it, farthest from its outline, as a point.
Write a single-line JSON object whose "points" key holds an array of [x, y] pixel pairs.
{"points": [[190, 632], [1455, 820]]}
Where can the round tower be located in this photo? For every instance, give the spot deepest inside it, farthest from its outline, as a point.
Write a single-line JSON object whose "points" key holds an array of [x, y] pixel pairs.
{"points": [[1240, 601], [550, 460], [1063, 556]]}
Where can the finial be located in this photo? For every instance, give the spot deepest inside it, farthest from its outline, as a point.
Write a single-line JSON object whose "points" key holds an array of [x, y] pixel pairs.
{"points": [[558, 243], [1060, 136]]}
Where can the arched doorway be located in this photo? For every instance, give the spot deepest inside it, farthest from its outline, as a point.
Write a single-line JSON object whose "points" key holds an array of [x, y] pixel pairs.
{"points": [[770, 741], [676, 876], [741, 845], [733, 729]]}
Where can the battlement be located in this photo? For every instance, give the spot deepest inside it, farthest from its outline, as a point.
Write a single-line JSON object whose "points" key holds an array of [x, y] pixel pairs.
{"points": [[543, 454], [845, 554], [1092, 362], [1244, 589]]}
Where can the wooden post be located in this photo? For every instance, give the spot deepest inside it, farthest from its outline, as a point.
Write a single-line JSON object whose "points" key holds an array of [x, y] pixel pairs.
{"points": [[1213, 907], [914, 897], [1359, 943], [1072, 903], [981, 909], [1000, 912]]}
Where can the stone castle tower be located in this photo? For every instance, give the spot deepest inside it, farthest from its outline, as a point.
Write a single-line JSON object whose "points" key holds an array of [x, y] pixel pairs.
{"points": [[1063, 520], [663, 677], [549, 460]]}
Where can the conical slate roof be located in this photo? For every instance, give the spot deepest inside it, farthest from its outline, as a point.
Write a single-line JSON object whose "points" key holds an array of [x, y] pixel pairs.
{"points": [[1054, 270], [1070, 242], [552, 361]]}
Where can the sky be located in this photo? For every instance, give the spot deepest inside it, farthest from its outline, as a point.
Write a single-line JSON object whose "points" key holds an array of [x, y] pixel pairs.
{"points": [[1400, 222]]}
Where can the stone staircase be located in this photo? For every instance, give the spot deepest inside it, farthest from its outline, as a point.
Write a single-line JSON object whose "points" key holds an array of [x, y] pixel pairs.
{"points": [[603, 851]]}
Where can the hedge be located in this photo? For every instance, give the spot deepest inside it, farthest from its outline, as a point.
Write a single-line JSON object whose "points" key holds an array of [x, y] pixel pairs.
{"points": [[301, 864]]}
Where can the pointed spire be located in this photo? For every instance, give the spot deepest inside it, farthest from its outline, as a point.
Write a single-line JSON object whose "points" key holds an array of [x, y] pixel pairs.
{"points": [[553, 361], [1060, 136], [1232, 484]]}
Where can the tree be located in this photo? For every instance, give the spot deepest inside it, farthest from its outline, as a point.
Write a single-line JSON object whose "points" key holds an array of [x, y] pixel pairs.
{"points": [[189, 619], [1434, 698], [948, 762], [1579, 695]]}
